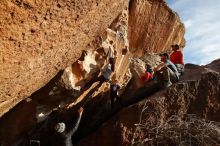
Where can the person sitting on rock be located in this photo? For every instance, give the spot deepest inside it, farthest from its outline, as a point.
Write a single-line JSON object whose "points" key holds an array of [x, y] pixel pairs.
{"points": [[114, 92], [148, 76], [63, 138], [166, 73], [177, 58]]}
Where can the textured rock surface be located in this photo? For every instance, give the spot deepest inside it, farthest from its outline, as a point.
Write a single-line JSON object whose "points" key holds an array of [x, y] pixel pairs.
{"points": [[41, 37], [199, 97], [68, 86], [153, 26], [38, 38], [194, 72], [214, 65], [138, 68], [56, 36]]}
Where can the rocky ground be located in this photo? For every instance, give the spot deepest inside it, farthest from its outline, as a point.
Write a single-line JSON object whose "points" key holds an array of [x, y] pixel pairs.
{"points": [[187, 113]]}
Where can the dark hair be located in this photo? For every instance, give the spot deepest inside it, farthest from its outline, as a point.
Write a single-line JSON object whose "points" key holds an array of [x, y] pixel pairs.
{"points": [[147, 65], [175, 46], [166, 55]]}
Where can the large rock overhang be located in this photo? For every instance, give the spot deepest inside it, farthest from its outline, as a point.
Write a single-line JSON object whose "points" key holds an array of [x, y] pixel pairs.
{"points": [[153, 27], [39, 38]]}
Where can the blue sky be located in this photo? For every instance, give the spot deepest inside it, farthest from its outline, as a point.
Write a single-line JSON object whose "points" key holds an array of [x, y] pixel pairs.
{"points": [[202, 23]]}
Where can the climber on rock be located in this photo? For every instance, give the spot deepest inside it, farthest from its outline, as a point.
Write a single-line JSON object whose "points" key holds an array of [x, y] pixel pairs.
{"points": [[166, 73], [105, 74], [114, 92], [104, 77], [111, 55], [177, 58], [62, 136]]}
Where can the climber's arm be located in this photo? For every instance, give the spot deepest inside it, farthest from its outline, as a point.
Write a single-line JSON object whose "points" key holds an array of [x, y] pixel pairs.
{"points": [[73, 130]]}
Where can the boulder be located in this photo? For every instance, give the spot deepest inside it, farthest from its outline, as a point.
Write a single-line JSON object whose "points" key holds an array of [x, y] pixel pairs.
{"points": [[153, 27], [172, 112], [39, 38]]}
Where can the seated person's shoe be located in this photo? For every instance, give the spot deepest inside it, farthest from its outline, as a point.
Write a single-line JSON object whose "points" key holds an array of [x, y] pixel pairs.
{"points": [[166, 84]]}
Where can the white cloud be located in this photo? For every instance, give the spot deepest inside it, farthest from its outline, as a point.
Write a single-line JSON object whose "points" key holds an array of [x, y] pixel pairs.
{"points": [[188, 23], [201, 19]]}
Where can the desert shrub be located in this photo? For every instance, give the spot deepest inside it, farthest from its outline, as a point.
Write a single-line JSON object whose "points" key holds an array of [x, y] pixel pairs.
{"points": [[189, 130]]}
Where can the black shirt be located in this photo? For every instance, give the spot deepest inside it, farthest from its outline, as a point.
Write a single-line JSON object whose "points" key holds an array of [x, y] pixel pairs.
{"points": [[64, 139]]}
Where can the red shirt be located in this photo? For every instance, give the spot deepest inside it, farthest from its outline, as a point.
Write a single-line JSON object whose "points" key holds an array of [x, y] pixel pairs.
{"points": [[146, 77], [177, 57]]}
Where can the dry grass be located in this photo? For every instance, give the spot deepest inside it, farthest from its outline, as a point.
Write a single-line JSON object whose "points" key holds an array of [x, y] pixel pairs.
{"points": [[190, 130]]}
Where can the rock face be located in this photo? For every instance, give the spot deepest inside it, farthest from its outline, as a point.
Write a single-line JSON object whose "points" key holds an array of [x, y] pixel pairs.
{"points": [[38, 38], [72, 35], [184, 104], [214, 65], [71, 84], [153, 26], [194, 72]]}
